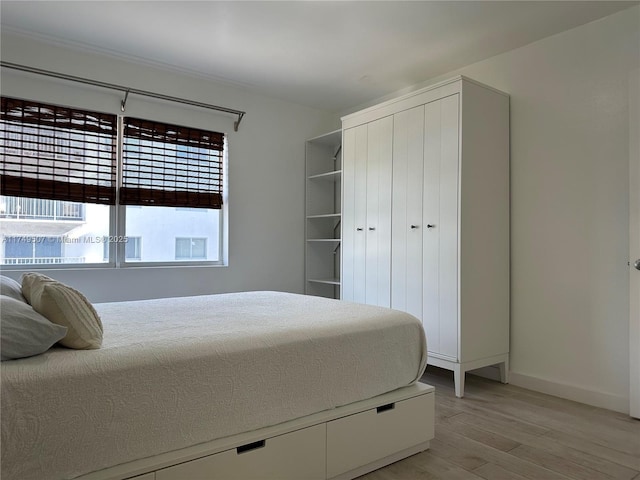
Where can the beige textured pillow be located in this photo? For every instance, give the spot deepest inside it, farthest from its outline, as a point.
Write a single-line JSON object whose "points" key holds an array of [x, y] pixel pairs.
{"points": [[30, 281], [66, 306]]}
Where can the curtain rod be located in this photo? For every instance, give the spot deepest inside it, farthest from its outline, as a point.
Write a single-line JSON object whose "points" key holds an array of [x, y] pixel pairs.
{"points": [[126, 90]]}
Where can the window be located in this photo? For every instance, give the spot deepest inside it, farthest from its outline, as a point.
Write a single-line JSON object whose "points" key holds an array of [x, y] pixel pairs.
{"points": [[58, 180], [132, 248], [175, 174], [19, 250], [191, 248]]}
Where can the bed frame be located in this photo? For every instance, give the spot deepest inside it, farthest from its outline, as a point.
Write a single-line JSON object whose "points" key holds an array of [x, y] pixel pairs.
{"points": [[337, 444]]}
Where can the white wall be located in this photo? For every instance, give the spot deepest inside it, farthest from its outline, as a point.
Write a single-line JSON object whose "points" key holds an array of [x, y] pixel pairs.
{"points": [[266, 168], [569, 207]]}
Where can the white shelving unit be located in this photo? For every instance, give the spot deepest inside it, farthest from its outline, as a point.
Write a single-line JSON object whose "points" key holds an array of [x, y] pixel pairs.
{"points": [[323, 167]]}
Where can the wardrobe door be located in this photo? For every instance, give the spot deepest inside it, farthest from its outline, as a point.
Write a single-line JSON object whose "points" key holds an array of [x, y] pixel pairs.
{"points": [[354, 210], [406, 223], [378, 212], [440, 218]]}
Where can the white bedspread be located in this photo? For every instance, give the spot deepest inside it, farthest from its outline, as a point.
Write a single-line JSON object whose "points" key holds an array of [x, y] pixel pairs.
{"points": [[180, 371]]}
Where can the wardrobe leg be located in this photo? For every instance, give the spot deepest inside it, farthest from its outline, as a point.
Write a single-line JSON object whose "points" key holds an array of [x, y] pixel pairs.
{"points": [[458, 379], [504, 371]]}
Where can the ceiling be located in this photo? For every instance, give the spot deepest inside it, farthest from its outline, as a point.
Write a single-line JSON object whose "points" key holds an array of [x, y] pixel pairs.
{"points": [[329, 55]]}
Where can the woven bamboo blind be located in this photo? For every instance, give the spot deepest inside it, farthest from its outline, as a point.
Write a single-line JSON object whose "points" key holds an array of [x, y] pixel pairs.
{"points": [[169, 165], [57, 153]]}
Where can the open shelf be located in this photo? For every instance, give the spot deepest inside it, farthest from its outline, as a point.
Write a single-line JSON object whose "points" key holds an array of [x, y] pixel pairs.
{"points": [[323, 171], [325, 215], [332, 176], [328, 281]]}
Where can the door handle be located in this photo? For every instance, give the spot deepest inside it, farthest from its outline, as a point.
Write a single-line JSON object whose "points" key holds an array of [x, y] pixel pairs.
{"points": [[430, 225], [636, 264], [359, 229], [413, 227], [371, 229]]}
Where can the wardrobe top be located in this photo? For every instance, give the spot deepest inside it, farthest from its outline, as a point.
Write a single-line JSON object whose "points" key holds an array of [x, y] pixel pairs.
{"points": [[418, 97]]}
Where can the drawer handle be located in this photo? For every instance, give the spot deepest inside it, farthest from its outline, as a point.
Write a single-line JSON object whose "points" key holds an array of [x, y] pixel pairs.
{"points": [[384, 408], [250, 446]]}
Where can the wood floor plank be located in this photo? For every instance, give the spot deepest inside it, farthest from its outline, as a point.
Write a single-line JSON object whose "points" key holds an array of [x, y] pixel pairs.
{"points": [[489, 411], [591, 448], [467, 458], [445, 470], [398, 471], [445, 411], [557, 464], [487, 437], [457, 449], [490, 471]]}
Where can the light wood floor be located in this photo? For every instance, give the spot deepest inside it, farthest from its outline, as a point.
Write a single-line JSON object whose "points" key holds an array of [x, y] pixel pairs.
{"points": [[501, 432]]}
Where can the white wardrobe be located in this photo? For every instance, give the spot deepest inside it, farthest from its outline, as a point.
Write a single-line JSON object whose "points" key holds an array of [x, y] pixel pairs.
{"points": [[425, 219]]}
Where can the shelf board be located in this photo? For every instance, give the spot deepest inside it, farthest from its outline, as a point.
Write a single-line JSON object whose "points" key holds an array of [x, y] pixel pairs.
{"points": [[325, 215], [323, 240], [328, 176], [330, 281], [331, 138]]}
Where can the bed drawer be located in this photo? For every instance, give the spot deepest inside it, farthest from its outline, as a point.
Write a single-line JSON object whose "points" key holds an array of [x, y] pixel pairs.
{"points": [[362, 438], [295, 455]]}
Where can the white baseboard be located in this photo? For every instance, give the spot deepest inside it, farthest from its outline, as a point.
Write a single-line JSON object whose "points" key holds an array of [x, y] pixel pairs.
{"points": [[618, 403], [491, 372]]}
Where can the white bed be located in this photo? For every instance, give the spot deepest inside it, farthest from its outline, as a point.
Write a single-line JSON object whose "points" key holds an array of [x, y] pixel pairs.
{"points": [[180, 383]]}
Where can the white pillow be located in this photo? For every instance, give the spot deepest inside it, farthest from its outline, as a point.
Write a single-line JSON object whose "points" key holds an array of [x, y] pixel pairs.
{"points": [[23, 331], [68, 307], [10, 288]]}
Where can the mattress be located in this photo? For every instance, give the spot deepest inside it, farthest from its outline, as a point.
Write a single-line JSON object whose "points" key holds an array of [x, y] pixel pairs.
{"points": [[177, 372]]}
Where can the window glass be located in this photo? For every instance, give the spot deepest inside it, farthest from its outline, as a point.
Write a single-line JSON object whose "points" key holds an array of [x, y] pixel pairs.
{"points": [[132, 249], [170, 234], [41, 232], [191, 248]]}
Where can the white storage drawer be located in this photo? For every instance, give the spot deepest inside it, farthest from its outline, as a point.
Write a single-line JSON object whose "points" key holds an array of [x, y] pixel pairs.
{"points": [[362, 438], [295, 455]]}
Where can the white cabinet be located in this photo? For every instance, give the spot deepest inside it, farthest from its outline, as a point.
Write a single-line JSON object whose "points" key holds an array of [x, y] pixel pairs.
{"points": [[449, 263], [366, 229], [323, 215]]}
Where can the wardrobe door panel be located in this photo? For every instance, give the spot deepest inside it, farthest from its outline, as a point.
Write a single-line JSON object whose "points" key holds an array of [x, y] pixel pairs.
{"points": [[440, 239], [407, 227], [360, 213], [378, 212], [348, 214]]}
